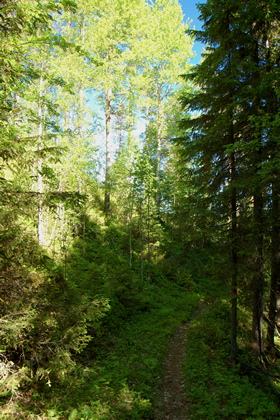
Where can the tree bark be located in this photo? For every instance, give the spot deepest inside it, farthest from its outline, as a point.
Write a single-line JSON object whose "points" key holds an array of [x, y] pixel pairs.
{"points": [[158, 147], [274, 299], [40, 185], [234, 260], [258, 277], [108, 135], [275, 267]]}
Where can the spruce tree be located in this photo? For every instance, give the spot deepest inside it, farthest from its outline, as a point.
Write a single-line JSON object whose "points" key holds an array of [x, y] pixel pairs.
{"points": [[227, 145]]}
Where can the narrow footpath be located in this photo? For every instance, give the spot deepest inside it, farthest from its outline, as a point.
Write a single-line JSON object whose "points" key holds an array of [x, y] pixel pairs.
{"points": [[171, 397]]}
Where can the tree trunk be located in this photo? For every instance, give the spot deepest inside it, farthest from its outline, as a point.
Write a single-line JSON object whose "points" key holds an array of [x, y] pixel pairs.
{"points": [[234, 261], [275, 267], [258, 277], [258, 274], [158, 150], [274, 299], [108, 135], [40, 185]]}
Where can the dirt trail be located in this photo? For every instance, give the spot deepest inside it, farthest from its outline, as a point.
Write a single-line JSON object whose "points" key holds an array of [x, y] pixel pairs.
{"points": [[171, 396]]}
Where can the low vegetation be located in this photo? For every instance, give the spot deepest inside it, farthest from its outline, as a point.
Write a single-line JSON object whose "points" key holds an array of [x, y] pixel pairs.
{"points": [[128, 195], [217, 387]]}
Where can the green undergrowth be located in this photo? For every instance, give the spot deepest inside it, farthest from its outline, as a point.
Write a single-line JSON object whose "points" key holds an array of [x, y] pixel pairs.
{"points": [[216, 388], [116, 378]]}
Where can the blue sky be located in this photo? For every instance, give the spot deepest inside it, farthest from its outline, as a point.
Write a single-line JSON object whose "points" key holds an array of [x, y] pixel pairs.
{"points": [[190, 11]]}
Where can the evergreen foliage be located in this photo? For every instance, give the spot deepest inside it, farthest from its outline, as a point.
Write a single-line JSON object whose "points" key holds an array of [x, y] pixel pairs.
{"points": [[105, 251], [227, 147]]}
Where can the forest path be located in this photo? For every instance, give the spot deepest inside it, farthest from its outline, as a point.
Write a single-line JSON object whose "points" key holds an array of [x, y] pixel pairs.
{"points": [[171, 396]]}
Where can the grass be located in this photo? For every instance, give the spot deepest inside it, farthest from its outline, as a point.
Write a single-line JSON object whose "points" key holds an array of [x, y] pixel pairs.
{"points": [[117, 379], [217, 388], [117, 374]]}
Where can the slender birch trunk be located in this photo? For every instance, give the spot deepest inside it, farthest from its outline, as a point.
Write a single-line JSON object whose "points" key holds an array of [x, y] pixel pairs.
{"points": [[108, 135], [40, 183]]}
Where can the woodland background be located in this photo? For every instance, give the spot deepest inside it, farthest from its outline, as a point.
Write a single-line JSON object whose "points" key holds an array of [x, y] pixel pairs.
{"points": [[135, 187]]}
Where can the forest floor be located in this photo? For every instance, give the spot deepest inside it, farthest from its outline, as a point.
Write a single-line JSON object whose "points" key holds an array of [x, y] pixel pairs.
{"points": [[171, 397]]}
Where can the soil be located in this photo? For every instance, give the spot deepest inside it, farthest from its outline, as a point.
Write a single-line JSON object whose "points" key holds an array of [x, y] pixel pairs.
{"points": [[171, 397]]}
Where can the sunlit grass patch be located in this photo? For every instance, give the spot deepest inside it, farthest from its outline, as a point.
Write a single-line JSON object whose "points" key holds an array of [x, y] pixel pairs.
{"points": [[119, 380]]}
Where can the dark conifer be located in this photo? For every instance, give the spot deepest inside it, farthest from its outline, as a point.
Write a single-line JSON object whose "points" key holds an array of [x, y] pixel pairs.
{"points": [[230, 142]]}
